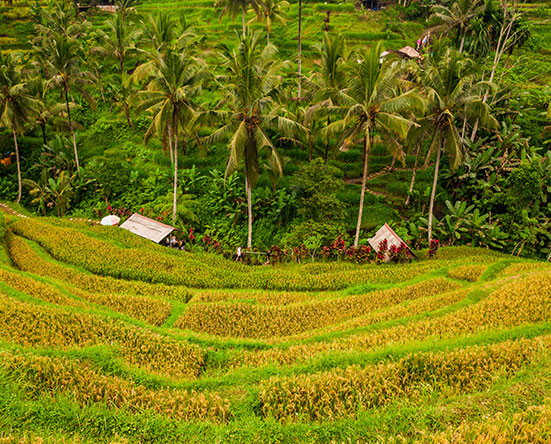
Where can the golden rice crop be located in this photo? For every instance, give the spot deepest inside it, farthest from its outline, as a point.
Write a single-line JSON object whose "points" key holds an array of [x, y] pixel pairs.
{"points": [[31, 325], [343, 392], [46, 376], [469, 273], [263, 297], [151, 310], [36, 289], [524, 301], [26, 259], [409, 308], [523, 268], [530, 426], [246, 320], [200, 271]]}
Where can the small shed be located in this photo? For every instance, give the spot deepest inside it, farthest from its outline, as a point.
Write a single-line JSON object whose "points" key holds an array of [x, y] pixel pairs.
{"points": [[148, 228], [385, 232]]}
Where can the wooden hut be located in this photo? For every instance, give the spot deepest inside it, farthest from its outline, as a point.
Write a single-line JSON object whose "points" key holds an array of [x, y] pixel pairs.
{"points": [[147, 228]]}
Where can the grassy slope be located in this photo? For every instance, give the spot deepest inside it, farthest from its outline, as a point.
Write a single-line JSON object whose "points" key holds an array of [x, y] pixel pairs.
{"points": [[464, 298]]}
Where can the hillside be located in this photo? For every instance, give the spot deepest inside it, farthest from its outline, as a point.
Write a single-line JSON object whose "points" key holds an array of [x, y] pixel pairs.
{"points": [[105, 337]]}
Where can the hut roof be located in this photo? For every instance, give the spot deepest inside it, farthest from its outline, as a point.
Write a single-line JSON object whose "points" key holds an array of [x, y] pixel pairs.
{"points": [[385, 232], [148, 228], [409, 52]]}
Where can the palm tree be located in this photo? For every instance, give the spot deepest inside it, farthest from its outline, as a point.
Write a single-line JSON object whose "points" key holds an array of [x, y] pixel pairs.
{"points": [[125, 8], [250, 89], [273, 11], [329, 83], [234, 7], [17, 105], [118, 42], [454, 94], [62, 57], [299, 48], [458, 16], [46, 110], [160, 31], [174, 81], [373, 102]]}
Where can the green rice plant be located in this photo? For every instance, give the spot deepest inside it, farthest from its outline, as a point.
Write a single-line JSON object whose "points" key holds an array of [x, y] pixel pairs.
{"points": [[524, 301], [345, 392], [26, 259], [469, 273], [46, 376], [38, 326], [246, 320]]}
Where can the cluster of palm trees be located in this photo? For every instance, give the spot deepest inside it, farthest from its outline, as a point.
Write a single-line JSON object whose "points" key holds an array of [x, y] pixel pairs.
{"points": [[154, 66]]}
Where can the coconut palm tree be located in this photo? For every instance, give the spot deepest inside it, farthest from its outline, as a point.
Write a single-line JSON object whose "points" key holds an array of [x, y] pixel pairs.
{"points": [[47, 109], [458, 16], [250, 88], [273, 11], [330, 81], [17, 104], [118, 42], [299, 48], [62, 59], [159, 31], [174, 80], [372, 102], [234, 7], [453, 95]]}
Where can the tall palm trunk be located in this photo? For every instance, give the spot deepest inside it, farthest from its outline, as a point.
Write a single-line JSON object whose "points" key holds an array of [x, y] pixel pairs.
{"points": [[433, 193], [249, 210], [366, 150], [299, 48], [412, 184], [462, 42], [243, 18], [19, 187], [175, 119], [170, 146], [43, 128], [71, 128]]}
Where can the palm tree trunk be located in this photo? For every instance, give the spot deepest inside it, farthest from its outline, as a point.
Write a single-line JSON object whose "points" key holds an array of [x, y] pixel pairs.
{"points": [[433, 193], [299, 48], [127, 112], [170, 149], [43, 128], [367, 149], [414, 173], [249, 211], [462, 42], [175, 118], [243, 18], [71, 128], [19, 186]]}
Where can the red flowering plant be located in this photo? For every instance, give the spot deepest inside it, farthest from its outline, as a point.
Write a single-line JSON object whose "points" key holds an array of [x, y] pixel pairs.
{"points": [[339, 247], [434, 245], [382, 251], [362, 254], [276, 254], [399, 253]]}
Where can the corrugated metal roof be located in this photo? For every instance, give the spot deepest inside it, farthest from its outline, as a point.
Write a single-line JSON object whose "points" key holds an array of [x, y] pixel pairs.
{"points": [[148, 228]]}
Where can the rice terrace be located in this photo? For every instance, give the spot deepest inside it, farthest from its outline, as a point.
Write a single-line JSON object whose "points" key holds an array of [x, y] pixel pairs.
{"points": [[270, 221]]}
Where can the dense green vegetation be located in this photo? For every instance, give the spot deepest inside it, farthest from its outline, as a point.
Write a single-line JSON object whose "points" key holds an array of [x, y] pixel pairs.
{"points": [[144, 109], [99, 343]]}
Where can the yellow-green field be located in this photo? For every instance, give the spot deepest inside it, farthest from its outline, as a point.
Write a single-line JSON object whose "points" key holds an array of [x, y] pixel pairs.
{"points": [[105, 337]]}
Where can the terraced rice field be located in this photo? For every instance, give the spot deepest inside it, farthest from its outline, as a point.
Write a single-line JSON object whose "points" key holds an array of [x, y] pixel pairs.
{"points": [[105, 337]]}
